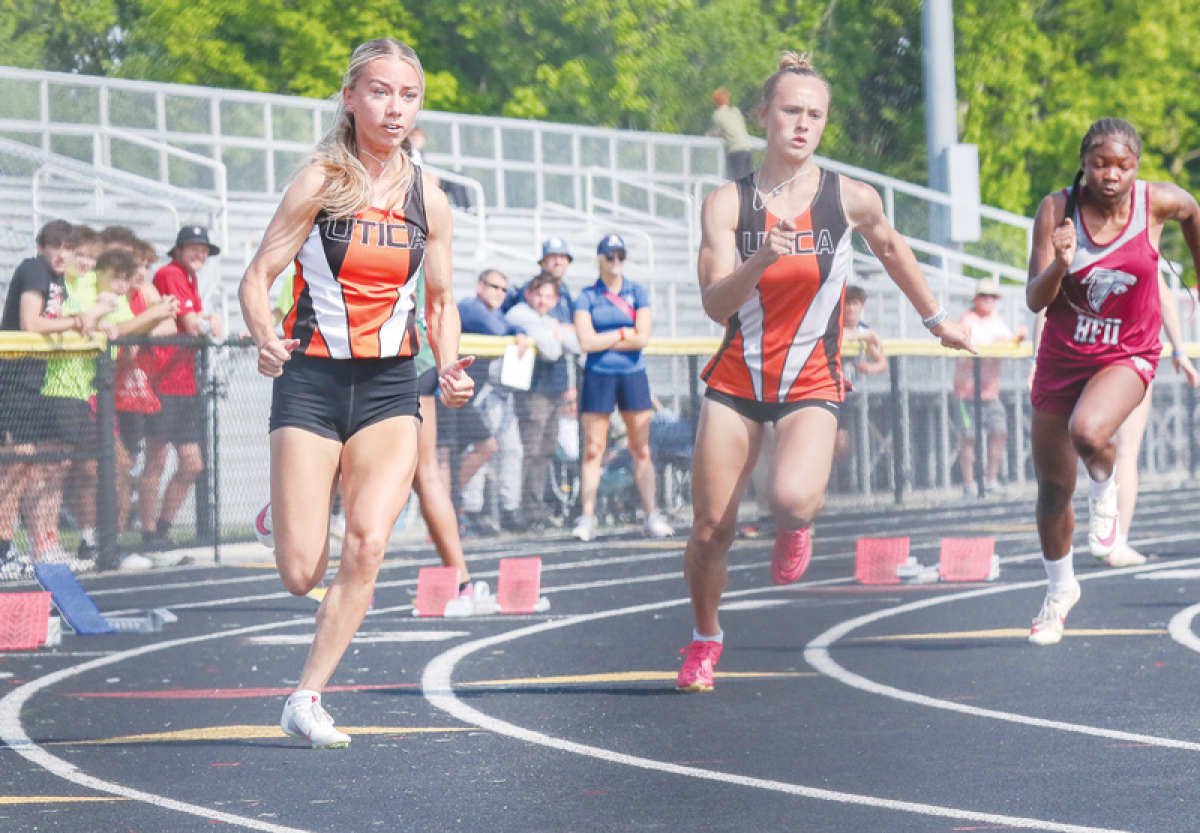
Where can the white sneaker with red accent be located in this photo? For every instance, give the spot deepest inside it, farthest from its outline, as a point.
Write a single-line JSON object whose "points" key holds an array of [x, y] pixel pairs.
{"points": [[1048, 626], [1104, 528], [306, 719], [263, 530]]}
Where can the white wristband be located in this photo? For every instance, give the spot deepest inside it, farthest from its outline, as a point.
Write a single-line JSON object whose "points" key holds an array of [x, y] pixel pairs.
{"points": [[935, 319]]}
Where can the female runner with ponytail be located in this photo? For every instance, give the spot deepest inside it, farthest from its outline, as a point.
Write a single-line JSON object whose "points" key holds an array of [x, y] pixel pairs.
{"points": [[359, 221], [1094, 270], [774, 259]]}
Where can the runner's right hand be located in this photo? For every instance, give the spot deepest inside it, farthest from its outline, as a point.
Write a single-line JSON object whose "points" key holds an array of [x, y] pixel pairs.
{"points": [[1063, 240], [273, 354]]}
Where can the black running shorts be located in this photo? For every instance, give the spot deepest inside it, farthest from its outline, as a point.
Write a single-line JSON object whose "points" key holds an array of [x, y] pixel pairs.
{"points": [[337, 398]]}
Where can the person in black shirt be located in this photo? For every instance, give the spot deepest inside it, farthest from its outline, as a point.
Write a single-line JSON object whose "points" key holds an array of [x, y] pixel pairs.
{"points": [[35, 298]]}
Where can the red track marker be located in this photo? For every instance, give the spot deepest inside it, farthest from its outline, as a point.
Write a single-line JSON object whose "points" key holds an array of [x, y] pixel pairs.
{"points": [[876, 560], [966, 559], [519, 585], [435, 587], [23, 620]]}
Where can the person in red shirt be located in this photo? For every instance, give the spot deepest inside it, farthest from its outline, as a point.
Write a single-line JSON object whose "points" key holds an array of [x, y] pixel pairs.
{"points": [[180, 421]]}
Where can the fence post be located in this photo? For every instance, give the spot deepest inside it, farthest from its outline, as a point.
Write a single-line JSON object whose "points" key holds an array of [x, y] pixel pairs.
{"points": [[203, 485], [899, 427], [107, 518], [979, 447], [215, 404], [1190, 421]]}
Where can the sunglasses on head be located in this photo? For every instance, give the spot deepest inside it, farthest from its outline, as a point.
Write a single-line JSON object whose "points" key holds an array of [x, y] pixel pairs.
{"points": [[619, 254]]}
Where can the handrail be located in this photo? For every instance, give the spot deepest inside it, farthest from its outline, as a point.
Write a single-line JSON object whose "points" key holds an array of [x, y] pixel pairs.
{"points": [[220, 172], [36, 188], [480, 204]]}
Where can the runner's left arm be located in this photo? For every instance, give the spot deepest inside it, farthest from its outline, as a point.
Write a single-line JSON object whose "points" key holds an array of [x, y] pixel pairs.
{"points": [[864, 210], [442, 323]]}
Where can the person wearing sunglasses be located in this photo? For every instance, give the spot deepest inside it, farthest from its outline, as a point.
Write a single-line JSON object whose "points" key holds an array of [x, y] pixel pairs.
{"points": [[612, 321]]}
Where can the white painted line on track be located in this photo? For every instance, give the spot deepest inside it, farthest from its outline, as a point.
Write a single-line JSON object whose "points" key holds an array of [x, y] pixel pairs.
{"points": [[1181, 628], [360, 638], [1170, 575], [437, 680], [817, 655]]}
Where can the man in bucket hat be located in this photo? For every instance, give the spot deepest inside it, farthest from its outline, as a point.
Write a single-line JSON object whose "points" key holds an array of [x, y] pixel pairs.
{"points": [[180, 421], [987, 327]]}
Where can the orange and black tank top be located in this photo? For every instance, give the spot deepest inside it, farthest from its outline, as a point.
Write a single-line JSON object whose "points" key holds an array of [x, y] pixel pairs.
{"points": [[355, 283], [783, 344]]}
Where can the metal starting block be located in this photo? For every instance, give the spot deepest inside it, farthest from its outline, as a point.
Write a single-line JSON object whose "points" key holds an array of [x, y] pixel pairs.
{"points": [[144, 621], [969, 559], [878, 560], [24, 619]]}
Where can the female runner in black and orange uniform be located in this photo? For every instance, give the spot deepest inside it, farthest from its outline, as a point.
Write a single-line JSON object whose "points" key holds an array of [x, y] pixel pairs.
{"points": [[773, 265], [359, 222]]}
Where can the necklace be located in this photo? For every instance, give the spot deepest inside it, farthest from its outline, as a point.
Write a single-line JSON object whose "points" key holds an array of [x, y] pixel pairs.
{"points": [[383, 166], [760, 203]]}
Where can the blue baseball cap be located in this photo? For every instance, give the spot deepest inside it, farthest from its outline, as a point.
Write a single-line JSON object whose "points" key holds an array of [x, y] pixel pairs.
{"points": [[556, 246], [611, 243]]}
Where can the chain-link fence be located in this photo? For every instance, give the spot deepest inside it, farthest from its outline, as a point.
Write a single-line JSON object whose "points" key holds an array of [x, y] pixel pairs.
{"points": [[172, 472]]}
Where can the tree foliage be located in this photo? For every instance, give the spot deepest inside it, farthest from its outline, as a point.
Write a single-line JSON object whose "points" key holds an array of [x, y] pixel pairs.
{"points": [[1032, 74]]}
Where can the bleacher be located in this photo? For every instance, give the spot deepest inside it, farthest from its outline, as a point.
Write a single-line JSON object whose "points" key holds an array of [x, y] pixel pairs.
{"points": [[154, 155]]}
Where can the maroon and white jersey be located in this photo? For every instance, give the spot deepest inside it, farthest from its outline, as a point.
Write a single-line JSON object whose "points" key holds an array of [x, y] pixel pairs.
{"points": [[1108, 307]]}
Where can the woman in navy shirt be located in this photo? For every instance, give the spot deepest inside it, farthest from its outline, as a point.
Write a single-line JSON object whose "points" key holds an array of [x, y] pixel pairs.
{"points": [[612, 320]]}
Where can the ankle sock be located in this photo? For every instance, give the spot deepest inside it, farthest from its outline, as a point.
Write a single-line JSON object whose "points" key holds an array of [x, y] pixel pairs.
{"points": [[88, 535], [719, 638], [1099, 488], [300, 695], [1061, 573]]}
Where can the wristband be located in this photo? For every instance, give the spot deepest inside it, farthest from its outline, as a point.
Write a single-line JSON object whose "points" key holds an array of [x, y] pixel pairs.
{"points": [[1178, 354], [621, 333], [935, 319]]}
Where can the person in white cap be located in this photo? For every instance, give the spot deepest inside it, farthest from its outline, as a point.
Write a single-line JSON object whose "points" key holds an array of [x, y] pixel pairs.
{"points": [[987, 327]]}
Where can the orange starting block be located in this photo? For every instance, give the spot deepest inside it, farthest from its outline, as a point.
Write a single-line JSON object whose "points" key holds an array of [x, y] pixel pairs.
{"points": [[24, 618], [519, 587], [436, 587], [968, 559], [877, 560]]}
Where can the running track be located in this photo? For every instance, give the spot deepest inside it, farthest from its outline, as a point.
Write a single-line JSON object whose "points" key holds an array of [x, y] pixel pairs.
{"points": [[838, 707]]}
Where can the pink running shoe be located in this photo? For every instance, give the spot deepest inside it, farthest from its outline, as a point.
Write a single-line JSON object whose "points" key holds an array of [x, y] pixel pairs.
{"points": [[697, 671], [790, 557]]}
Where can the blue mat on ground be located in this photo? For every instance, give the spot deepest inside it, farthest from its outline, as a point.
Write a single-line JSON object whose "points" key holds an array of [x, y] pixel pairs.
{"points": [[72, 601]]}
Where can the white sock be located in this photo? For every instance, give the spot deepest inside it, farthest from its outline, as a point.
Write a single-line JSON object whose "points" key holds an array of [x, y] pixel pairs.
{"points": [[719, 638], [1099, 488], [300, 695], [88, 535], [1061, 573]]}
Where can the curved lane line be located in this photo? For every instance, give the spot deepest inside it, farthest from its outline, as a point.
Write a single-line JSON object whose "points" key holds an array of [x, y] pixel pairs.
{"points": [[437, 679], [817, 655], [1180, 628]]}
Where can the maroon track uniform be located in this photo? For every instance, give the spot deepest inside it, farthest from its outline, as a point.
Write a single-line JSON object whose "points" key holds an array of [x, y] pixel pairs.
{"points": [[1106, 313]]}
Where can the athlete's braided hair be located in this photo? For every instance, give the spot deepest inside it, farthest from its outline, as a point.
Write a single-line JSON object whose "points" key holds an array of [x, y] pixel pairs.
{"points": [[792, 64], [1099, 133], [348, 188]]}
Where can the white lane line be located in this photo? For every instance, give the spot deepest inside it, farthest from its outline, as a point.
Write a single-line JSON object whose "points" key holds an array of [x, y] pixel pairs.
{"points": [[817, 655], [1167, 575], [12, 733], [437, 679], [361, 638], [1181, 628], [753, 604]]}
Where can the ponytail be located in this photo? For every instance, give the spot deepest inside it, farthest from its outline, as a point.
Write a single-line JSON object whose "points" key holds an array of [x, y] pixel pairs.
{"points": [[1073, 197]]}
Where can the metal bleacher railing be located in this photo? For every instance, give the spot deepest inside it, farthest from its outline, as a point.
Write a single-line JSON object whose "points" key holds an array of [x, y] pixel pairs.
{"points": [[526, 180]]}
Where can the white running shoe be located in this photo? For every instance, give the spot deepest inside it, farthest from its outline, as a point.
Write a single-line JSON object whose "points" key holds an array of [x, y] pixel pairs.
{"points": [[135, 563], [1104, 526], [308, 720], [263, 530], [585, 528], [1048, 626], [656, 526], [1124, 555]]}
